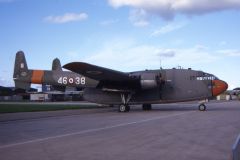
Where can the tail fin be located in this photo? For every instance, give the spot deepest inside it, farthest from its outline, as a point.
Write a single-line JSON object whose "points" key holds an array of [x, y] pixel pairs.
{"points": [[56, 65], [21, 72]]}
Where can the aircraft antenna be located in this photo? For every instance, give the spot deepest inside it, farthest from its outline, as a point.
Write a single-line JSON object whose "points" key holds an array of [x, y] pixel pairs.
{"points": [[160, 63]]}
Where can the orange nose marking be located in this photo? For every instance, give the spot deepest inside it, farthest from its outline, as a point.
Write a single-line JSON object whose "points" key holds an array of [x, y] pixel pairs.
{"points": [[37, 76], [218, 87]]}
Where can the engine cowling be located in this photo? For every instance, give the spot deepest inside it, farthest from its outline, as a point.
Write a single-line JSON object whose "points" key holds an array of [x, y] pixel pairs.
{"points": [[148, 83], [150, 80]]}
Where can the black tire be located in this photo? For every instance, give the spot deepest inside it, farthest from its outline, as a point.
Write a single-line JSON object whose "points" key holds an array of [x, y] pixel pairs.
{"points": [[127, 108], [147, 107], [124, 108], [202, 107]]}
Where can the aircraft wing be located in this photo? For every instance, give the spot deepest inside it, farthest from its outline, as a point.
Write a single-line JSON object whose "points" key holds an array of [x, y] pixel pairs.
{"points": [[97, 73]]}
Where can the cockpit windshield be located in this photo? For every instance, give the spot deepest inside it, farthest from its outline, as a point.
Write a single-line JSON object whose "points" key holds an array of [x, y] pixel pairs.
{"points": [[206, 76]]}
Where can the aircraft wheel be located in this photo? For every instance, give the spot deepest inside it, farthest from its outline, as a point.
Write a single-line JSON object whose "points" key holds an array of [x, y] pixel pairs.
{"points": [[124, 108], [147, 107], [202, 107], [128, 108]]}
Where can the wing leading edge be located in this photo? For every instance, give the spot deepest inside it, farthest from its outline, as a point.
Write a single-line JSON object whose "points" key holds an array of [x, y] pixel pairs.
{"points": [[97, 73]]}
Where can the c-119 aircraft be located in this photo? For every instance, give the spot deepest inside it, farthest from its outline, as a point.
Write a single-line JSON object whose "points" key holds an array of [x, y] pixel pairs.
{"points": [[106, 86]]}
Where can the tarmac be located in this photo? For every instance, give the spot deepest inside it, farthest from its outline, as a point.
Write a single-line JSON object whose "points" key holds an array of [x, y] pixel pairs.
{"points": [[168, 132]]}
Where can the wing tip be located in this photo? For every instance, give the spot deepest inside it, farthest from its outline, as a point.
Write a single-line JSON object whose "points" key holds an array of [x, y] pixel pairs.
{"points": [[69, 66], [66, 66], [72, 66]]}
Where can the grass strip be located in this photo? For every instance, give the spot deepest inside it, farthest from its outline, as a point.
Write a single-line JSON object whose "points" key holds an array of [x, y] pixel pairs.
{"points": [[12, 108]]}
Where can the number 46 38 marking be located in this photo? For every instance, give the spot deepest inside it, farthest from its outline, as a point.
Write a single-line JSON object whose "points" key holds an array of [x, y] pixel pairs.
{"points": [[76, 80]]}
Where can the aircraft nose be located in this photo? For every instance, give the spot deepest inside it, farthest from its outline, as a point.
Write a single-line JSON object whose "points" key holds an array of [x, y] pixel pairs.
{"points": [[218, 87]]}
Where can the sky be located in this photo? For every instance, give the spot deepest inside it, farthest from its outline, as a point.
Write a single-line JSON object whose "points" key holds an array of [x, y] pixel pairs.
{"points": [[124, 35]]}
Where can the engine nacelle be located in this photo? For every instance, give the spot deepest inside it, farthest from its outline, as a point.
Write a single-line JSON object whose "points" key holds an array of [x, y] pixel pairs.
{"points": [[148, 83]]}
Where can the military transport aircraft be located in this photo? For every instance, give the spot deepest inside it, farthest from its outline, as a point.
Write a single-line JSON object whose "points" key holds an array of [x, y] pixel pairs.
{"points": [[105, 86]]}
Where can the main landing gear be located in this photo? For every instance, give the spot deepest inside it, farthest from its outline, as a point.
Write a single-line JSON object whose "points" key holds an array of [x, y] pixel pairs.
{"points": [[124, 107], [147, 107]]}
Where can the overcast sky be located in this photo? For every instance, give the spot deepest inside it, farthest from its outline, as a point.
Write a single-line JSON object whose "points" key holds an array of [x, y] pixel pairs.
{"points": [[124, 35]]}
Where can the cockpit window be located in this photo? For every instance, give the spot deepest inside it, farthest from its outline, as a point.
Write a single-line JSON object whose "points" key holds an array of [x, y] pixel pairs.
{"points": [[203, 76]]}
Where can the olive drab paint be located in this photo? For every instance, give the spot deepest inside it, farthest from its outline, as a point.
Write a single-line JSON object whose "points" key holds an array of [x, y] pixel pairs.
{"points": [[105, 86]]}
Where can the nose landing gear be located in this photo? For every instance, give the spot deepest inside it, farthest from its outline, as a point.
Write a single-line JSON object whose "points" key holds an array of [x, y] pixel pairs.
{"points": [[202, 107]]}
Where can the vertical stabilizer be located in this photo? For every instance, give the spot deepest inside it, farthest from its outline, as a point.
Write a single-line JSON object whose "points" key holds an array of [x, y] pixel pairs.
{"points": [[56, 65], [21, 72], [20, 64]]}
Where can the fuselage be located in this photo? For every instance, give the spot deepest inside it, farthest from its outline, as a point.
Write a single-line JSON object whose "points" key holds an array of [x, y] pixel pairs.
{"points": [[164, 86], [154, 86]]}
